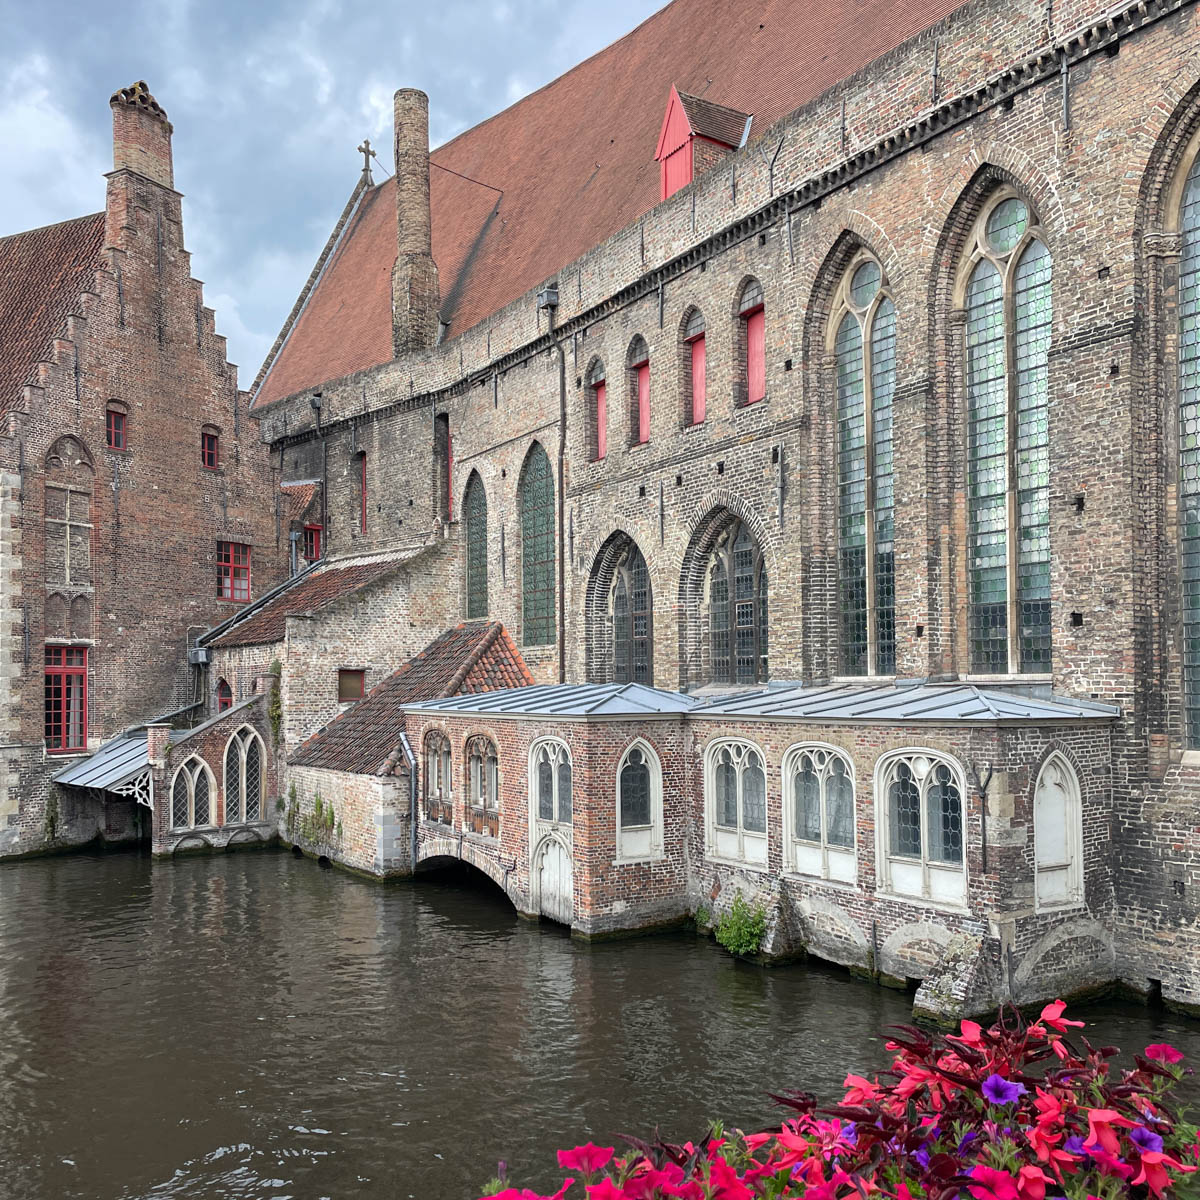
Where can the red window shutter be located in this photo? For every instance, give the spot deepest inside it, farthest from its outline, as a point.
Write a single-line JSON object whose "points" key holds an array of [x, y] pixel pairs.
{"points": [[698, 382], [449, 477], [601, 420], [643, 394], [676, 170], [362, 516], [756, 359]]}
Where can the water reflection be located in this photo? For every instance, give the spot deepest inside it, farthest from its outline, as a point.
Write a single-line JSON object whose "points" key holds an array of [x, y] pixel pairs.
{"points": [[251, 1026]]}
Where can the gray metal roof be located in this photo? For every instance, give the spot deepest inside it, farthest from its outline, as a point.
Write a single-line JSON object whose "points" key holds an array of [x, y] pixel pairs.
{"points": [[567, 700], [115, 763], [937, 702]]}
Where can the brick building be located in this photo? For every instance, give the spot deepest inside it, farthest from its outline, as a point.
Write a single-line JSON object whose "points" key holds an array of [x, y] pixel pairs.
{"points": [[849, 347], [137, 502]]}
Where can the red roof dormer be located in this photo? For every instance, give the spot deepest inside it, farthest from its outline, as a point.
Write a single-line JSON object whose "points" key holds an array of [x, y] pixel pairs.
{"points": [[695, 134]]}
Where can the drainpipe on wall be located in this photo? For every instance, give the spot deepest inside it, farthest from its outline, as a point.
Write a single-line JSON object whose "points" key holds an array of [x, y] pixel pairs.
{"points": [[548, 299], [412, 796]]}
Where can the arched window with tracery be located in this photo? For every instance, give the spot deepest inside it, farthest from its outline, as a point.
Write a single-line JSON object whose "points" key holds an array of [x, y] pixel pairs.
{"points": [[923, 826], [597, 387], [737, 608], [1008, 307], [639, 804], [865, 350], [244, 759], [483, 786], [736, 796], [224, 696], [1189, 448], [632, 619], [818, 791], [550, 782], [536, 503], [751, 337], [439, 800], [475, 516], [192, 795]]}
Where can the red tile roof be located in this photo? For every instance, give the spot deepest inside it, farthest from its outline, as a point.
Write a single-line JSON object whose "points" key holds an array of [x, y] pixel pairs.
{"points": [[475, 657], [575, 161], [296, 499], [308, 593], [42, 273], [716, 121]]}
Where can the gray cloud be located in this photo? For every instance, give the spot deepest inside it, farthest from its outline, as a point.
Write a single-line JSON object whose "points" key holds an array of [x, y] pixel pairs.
{"points": [[269, 101]]}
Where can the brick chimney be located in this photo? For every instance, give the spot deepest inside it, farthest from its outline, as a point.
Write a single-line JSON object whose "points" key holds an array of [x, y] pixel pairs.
{"points": [[415, 294], [141, 135]]}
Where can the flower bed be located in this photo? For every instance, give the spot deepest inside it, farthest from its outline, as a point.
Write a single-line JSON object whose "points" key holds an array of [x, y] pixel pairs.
{"points": [[1014, 1112]]}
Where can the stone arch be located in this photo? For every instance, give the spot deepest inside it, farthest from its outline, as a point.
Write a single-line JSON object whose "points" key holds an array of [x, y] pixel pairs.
{"points": [[447, 849], [848, 245], [830, 932], [598, 615], [913, 950], [193, 842], [1173, 148], [81, 618], [56, 618], [69, 453], [708, 522], [1055, 964], [244, 837]]}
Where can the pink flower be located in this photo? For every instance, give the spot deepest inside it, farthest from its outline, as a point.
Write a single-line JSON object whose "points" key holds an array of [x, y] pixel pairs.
{"points": [[1101, 1132], [526, 1194], [992, 1184], [1154, 1170], [859, 1090], [972, 1035], [1161, 1052], [724, 1183], [586, 1159], [1052, 1014], [605, 1190]]}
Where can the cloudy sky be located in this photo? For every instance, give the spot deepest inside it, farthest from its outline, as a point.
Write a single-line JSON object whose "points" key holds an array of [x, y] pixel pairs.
{"points": [[269, 100]]}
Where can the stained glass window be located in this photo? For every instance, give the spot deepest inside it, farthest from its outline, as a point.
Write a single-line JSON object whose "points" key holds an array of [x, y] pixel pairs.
{"points": [[631, 619], [635, 790], [537, 549], [1189, 449], [1008, 309], [475, 512], [738, 621], [865, 354]]}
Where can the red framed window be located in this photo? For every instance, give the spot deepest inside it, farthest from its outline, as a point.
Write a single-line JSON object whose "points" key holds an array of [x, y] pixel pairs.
{"points": [[114, 429], [224, 696], [756, 357], [210, 450], [601, 390], [698, 380], [351, 685], [66, 699], [643, 401], [362, 491], [233, 571], [312, 543]]}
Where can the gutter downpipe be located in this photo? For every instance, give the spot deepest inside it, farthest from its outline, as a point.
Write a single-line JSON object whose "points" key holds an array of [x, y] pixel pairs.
{"points": [[562, 457], [412, 795]]}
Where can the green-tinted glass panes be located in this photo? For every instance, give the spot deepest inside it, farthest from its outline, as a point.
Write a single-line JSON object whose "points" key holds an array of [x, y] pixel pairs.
{"points": [[1006, 224], [987, 472], [883, 386], [476, 522], [852, 495], [537, 550], [1189, 450], [1031, 298]]}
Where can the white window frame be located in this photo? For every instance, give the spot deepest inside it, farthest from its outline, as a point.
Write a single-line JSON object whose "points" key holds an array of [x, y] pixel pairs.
{"points": [[243, 736], [539, 826], [936, 884], [189, 768], [1072, 869], [436, 743], [640, 843], [725, 843], [820, 859]]}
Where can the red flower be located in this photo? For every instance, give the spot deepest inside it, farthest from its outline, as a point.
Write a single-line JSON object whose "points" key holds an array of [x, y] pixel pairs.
{"points": [[992, 1184], [605, 1190], [727, 1185], [1161, 1052], [1101, 1132], [860, 1090], [1052, 1014], [1031, 1183], [587, 1159], [1154, 1170], [526, 1194]]}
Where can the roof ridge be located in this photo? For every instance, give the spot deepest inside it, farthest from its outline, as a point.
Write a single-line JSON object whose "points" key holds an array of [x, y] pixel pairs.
{"points": [[472, 659], [4, 237]]}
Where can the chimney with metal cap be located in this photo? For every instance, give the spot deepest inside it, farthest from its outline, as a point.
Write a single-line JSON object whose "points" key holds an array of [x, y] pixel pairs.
{"points": [[415, 294]]}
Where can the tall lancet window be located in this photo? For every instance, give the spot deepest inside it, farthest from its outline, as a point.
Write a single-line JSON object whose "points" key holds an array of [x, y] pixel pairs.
{"points": [[1008, 310], [1189, 449], [865, 348], [475, 513], [631, 619]]}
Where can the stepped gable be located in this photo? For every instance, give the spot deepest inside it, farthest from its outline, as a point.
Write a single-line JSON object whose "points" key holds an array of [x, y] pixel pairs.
{"points": [[477, 656], [42, 273], [575, 163], [307, 593]]}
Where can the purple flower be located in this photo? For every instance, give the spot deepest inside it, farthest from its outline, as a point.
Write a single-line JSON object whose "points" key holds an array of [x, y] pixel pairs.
{"points": [[967, 1139], [922, 1156], [1146, 1139], [1002, 1091], [1074, 1144]]}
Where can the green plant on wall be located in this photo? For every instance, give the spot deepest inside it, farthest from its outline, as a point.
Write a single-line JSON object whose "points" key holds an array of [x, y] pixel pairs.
{"points": [[53, 819], [275, 703], [742, 929]]}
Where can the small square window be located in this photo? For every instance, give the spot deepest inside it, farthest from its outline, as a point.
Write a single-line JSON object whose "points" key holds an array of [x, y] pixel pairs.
{"points": [[210, 457], [351, 685], [114, 429], [233, 571]]}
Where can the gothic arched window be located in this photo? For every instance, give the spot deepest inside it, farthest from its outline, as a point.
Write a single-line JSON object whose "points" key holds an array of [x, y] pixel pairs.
{"points": [[224, 695], [632, 619], [751, 343], [483, 786], [637, 367], [243, 777], [1189, 448], [737, 608], [694, 362], [1057, 835], [736, 793], [439, 803], [191, 795], [818, 790], [550, 786], [536, 502], [598, 387], [1008, 311], [475, 514], [865, 349], [639, 804]]}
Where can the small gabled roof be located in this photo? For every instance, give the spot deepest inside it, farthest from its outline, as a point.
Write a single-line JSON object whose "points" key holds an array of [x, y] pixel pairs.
{"points": [[115, 763], [304, 594], [477, 656], [42, 274], [569, 700], [899, 703], [688, 114]]}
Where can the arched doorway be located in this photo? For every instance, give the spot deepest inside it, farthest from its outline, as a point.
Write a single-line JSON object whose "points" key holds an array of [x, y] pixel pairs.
{"points": [[554, 882]]}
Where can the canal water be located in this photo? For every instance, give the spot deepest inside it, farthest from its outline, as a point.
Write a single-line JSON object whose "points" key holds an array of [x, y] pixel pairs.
{"points": [[255, 1026]]}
